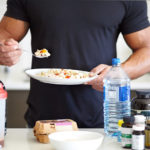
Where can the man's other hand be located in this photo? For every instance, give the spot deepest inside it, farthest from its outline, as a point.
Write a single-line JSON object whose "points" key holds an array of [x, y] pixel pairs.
{"points": [[101, 71], [9, 53]]}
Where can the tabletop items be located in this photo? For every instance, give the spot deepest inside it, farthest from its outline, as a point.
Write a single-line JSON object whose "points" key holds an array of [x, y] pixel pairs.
{"points": [[135, 132], [147, 135], [3, 97], [43, 128], [116, 97], [76, 140]]}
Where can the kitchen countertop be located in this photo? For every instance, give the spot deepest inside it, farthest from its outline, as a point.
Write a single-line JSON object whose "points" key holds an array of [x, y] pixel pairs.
{"points": [[23, 139]]}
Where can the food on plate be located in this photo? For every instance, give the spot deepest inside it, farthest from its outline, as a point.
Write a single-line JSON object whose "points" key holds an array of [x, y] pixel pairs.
{"points": [[64, 74], [42, 53], [43, 128]]}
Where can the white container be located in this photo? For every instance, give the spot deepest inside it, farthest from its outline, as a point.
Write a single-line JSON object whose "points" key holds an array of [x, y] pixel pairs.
{"points": [[76, 140], [3, 97]]}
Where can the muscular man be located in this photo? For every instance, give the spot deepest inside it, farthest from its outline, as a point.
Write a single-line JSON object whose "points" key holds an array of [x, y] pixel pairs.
{"points": [[80, 34]]}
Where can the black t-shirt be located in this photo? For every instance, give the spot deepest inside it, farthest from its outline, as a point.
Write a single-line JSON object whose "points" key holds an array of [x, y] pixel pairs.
{"points": [[79, 34]]}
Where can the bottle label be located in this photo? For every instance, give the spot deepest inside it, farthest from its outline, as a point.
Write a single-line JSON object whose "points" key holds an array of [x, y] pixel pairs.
{"points": [[138, 142], [124, 93], [145, 113], [126, 137], [115, 93], [126, 140], [111, 93]]}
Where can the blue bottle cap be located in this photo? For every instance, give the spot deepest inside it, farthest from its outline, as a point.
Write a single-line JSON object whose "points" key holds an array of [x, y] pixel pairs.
{"points": [[116, 61]]}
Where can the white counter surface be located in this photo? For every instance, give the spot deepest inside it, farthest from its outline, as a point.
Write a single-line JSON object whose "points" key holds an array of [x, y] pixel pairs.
{"points": [[23, 139]]}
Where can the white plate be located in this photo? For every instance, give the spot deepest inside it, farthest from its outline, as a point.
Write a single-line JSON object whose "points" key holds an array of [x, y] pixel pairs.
{"points": [[53, 80], [76, 140]]}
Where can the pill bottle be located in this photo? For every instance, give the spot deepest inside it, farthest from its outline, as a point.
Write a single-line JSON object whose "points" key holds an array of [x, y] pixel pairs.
{"points": [[140, 120], [140, 104], [126, 132], [147, 135], [138, 137]]}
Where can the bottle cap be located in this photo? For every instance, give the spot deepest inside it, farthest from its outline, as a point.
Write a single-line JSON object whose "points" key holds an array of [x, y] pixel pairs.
{"points": [[140, 119], [116, 61], [143, 93], [138, 127], [3, 93], [129, 119], [120, 122]]}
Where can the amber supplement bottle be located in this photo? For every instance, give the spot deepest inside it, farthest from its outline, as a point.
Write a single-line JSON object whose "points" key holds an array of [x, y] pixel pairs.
{"points": [[138, 137], [147, 135], [140, 105], [126, 131]]}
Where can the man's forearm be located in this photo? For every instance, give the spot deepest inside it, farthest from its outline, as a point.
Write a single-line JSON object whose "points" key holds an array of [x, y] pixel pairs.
{"points": [[13, 28], [4, 35], [138, 63]]}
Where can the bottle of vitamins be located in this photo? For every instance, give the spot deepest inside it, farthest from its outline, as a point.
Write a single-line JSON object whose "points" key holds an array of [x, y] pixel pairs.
{"points": [[147, 135], [138, 137], [140, 105], [126, 132], [140, 120], [116, 97]]}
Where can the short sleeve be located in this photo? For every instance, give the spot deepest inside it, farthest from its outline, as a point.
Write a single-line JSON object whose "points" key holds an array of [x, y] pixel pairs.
{"points": [[17, 9], [136, 17]]}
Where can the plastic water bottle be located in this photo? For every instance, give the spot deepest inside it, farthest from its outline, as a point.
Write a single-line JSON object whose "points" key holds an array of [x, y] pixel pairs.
{"points": [[116, 97]]}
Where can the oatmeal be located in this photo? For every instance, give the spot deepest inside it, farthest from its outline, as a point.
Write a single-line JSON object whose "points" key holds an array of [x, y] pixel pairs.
{"points": [[42, 53], [64, 74]]}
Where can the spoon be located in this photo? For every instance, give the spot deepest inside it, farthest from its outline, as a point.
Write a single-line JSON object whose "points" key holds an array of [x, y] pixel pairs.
{"points": [[35, 54], [23, 50]]}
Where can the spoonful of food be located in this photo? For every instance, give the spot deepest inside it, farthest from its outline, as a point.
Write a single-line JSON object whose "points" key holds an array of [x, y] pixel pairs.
{"points": [[43, 53]]}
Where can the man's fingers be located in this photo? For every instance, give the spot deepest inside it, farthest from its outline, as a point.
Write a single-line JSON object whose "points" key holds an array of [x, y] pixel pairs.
{"points": [[10, 54], [98, 69], [8, 48], [97, 83]]}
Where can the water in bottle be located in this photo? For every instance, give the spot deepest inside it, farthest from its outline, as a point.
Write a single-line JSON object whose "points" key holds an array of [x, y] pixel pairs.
{"points": [[116, 97]]}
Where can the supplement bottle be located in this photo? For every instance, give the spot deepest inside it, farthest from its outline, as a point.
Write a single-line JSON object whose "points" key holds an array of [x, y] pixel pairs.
{"points": [[126, 132], [138, 137], [116, 97], [140, 105], [140, 120], [147, 135]]}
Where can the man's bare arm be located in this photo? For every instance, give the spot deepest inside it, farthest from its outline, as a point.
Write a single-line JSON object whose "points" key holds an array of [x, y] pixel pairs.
{"points": [[139, 62], [11, 32], [13, 28]]}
